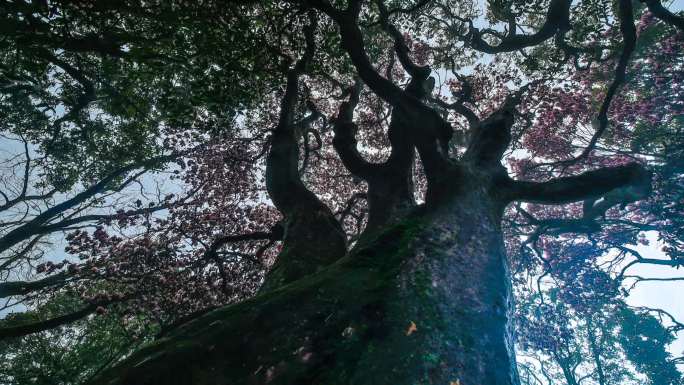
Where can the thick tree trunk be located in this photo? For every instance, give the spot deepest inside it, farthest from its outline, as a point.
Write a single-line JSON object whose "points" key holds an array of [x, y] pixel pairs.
{"points": [[426, 302]]}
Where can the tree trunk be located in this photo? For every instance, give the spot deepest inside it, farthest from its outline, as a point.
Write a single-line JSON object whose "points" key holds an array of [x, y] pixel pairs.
{"points": [[425, 302]]}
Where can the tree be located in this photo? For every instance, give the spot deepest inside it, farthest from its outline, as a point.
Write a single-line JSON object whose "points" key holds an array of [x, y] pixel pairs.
{"points": [[370, 214], [71, 354], [566, 344]]}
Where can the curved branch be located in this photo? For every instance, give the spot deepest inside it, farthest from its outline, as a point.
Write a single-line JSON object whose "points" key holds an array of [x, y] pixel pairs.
{"points": [[557, 20], [461, 109], [434, 134], [664, 14], [676, 324], [629, 40], [345, 137], [400, 46], [310, 226], [628, 30]]}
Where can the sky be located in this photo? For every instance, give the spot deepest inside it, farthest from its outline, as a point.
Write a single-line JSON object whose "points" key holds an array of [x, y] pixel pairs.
{"points": [[668, 296]]}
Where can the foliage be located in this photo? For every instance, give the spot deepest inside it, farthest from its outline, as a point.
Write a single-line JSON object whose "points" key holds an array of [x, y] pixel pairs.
{"points": [[182, 153], [71, 354]]}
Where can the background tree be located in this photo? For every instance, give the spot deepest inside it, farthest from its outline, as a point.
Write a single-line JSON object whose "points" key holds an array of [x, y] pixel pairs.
{"points": [[74, 354], [363, 166]]}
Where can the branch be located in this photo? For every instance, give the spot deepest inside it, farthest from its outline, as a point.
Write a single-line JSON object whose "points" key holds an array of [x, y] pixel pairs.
{"points": [[283, 181], [491, 137], [309, 224], [557, 20], [23, 197], [351, 202], [626, 183], [664, 14], [674, 262], [432, 140], [22, 330], [345, 142], [559, 225], [34, 226], [8, 289], [82, 101], [390, 184], [629, 40], [96, 218], [626, 15], [645, 279], [419, 4], [400, 46], [352, 42], [638, 278], [19, 254], [276, 233], [465, 95], [677, 325]]}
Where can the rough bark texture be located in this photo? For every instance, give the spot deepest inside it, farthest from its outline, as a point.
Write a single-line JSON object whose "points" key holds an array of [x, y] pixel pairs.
{"points": [[425, 302], [422, 299]]}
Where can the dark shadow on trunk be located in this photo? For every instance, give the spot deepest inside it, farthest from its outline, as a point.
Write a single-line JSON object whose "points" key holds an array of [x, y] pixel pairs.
{"points": [[427, 301]]}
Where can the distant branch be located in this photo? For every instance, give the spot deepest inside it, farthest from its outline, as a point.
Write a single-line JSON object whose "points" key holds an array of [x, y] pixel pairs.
{"points": [[629, 37], [36, 327], [35, 225], [8, 289]]}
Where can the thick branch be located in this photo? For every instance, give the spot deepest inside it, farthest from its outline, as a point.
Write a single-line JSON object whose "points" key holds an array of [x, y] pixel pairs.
{"points": [[313, 237], [282, 164], [390, 184], [8, 289], [345, 137], [22, 330], [628, 183], [403, 52], [352, 41], [461, 109], [664, 14], [429, 131], [491, 137]]}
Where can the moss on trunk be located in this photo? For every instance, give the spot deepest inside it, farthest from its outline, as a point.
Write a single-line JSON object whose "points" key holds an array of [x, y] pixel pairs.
{"points": [[384, 314]]}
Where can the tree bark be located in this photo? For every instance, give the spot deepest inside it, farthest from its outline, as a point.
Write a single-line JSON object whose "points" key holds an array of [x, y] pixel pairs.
{"points": [[425, 302]]}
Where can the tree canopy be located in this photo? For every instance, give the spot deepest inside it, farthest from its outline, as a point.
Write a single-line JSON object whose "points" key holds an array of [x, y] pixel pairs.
{"points": [[161, 159]]}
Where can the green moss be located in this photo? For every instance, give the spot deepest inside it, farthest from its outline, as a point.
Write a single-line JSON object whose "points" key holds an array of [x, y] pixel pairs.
{"points": [[309, 315]]}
